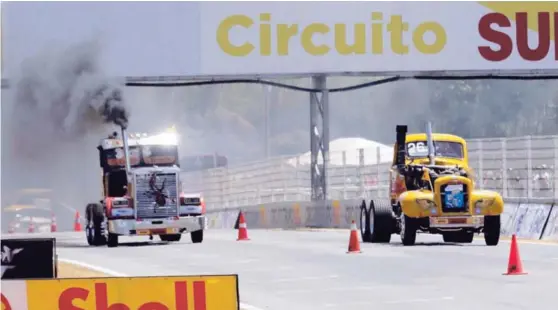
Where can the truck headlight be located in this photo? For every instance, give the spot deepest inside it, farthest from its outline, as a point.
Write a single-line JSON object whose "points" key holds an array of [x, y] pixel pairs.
{"points": [[484, 203], [426, 204]]}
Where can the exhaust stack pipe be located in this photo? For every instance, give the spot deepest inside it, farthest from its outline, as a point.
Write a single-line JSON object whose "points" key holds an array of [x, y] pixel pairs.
{"points": [[401, 131], [126, 150], [430, 142]]}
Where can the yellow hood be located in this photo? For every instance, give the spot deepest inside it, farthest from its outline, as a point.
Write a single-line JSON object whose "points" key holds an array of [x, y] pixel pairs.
{"points": [[439, 161]]}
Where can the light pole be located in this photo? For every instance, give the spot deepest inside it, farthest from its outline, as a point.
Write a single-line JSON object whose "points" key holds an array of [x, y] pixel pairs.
{"points": [[267, 109]]}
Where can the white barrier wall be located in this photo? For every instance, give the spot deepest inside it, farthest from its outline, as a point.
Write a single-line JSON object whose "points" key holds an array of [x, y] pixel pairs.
{"points": [[529, 220]]}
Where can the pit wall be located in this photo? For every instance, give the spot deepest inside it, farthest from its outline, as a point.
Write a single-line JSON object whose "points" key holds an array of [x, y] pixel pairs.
{"points": [[532, 219]]}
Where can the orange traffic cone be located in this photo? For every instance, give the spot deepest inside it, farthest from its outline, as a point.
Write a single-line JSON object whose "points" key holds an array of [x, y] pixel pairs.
{"points": [[53, 225], [354, 244], [242, 228], [31, 228], [515, 267], [77, 223]]}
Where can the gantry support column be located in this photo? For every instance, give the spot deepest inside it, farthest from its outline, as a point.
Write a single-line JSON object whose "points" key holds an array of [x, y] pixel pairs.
{"points": [[319, 138]]}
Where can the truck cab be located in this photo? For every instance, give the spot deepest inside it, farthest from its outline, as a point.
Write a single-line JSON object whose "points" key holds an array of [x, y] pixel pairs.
{"points": [[141, 190], [432, 191]]}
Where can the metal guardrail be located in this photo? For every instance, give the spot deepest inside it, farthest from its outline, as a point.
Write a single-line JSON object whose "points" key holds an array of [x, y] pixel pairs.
{"points": [[519, 168]]}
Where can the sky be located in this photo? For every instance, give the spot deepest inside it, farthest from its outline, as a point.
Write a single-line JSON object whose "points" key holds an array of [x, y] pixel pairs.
{"points": [[138, 38]]}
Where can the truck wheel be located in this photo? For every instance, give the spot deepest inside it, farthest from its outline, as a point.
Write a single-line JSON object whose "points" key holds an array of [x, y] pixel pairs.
{"points": [[408, 230], [95, 216], [112, 241], [170, 237], [491, 230], [380, 223], [459, 237], [365, 233], [89, 224], [197, 236]]}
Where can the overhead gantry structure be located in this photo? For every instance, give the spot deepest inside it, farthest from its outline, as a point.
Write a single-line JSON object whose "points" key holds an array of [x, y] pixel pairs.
{"points": [[319, 101]]}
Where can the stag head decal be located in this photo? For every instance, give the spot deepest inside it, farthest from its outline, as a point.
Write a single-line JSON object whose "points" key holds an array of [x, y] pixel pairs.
{"points": [[158, 192]]}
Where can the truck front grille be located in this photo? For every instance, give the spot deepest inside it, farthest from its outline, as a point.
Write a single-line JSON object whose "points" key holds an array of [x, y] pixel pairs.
{"points": [[164, 186], [455, 198]]}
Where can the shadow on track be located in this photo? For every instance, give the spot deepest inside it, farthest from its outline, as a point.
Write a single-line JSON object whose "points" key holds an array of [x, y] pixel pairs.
{"points": [[427, 244], [65, 244]]}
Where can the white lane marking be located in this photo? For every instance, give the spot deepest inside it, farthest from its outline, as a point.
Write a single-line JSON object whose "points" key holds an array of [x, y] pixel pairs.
{"points": [[248, 307], [418, 300], [113, 273], [92, 267]]}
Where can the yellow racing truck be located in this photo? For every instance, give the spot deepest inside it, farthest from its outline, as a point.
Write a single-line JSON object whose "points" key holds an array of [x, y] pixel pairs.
{"points": [[432, 191]]}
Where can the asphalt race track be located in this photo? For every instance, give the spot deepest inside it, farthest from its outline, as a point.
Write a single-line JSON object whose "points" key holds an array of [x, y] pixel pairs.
{"points": [[302, 270]]}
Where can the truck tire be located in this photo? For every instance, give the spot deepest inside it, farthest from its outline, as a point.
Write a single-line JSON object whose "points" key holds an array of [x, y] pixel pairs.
{"points": [[94, 231], [112, 241], [365, 233], [197, 236], [381, 223], [408, 230], [459, 237], [170, 237], [492, 230]]}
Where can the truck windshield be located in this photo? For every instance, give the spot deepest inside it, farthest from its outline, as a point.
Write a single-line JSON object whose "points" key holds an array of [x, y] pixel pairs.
{"points": [[115, 157], [159, 154], [145, 155], [441, 149]]}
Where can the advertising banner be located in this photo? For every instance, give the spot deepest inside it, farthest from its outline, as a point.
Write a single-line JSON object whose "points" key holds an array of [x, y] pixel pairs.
{"points": [[530, 219], [219, 292], [551, 230], [507, 218], [380, 37], [29, 258], [269, 38]]}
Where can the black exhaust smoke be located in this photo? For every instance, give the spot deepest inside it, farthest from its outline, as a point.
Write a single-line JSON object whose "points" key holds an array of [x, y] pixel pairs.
{"points": [[62, 97], [54, 114]]}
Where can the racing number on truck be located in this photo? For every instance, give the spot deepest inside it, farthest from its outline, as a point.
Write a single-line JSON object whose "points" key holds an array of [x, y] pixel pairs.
{"points": [[417, 148], [68, 296]]}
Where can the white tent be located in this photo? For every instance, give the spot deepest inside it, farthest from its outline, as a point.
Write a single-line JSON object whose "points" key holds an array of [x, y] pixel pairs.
{"points": [[351, 147]]}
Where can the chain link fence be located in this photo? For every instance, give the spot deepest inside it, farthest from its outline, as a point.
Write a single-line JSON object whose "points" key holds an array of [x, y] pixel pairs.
{"points": [[519, 168]]}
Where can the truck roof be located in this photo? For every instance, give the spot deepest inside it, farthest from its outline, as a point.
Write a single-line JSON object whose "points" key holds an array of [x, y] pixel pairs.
{"points": [[435, 136], [166, 138]]}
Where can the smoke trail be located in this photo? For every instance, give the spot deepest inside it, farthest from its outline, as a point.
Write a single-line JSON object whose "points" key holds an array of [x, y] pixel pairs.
{"points": [[65, 94], [56, 112]]}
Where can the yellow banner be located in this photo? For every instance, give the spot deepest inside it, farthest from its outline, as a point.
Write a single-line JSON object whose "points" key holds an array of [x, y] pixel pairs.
{"points": [[138, 293]]}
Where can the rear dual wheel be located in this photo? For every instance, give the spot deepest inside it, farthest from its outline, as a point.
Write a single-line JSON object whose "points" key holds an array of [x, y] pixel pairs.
{"points": [[376, 223]]}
